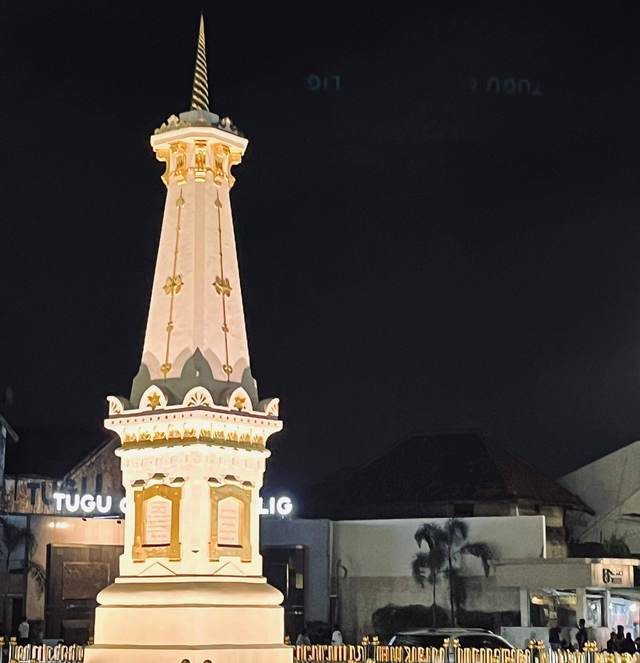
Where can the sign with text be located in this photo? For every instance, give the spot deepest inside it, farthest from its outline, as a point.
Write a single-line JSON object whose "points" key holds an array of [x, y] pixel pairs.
{"points": [[105, 504], [607, 575], [157, 521]]}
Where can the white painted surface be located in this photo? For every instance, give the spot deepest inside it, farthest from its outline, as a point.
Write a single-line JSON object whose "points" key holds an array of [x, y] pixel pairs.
{"points": [[569, 573], [611, 487], [385, 548]]}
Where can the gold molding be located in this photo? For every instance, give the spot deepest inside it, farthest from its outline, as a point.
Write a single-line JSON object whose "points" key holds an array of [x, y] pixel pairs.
{"points": [[200, 160], [220, 151], [179, 152], [173, 286], [219, 493], [234, 159], [165, 156], [140, 552], [153, 400], [232, 440], [223, 288]]}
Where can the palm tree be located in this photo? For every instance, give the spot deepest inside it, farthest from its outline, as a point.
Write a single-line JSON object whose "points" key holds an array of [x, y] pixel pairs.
{"points": [[14, 538], [448, 544]]}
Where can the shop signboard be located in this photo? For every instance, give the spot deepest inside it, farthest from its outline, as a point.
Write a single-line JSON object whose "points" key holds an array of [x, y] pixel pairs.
{"points": [[613, 575]]}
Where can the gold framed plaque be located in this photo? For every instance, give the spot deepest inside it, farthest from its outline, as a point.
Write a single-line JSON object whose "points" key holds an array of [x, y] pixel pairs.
{"points": [[230, 522], [157, 522]]}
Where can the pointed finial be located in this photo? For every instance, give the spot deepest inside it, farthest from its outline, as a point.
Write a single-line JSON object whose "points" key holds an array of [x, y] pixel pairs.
{"points": [[200, 96]]}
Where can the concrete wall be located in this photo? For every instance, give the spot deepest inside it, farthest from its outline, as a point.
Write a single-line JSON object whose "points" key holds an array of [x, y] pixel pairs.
{"points": [[611, 487], [386, 548], [564, 573], [361, 597], [378, 556], [315, 536]]}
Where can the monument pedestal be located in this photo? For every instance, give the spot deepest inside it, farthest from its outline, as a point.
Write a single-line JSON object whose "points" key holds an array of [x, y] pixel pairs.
{"points": [[167, 620]]}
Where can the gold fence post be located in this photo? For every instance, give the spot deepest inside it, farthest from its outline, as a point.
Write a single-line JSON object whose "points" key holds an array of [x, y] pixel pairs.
{"points": [[365, 644]]}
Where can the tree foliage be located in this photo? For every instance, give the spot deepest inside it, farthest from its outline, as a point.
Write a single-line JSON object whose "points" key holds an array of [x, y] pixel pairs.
{"points": [[13, 539], [616, 546]]}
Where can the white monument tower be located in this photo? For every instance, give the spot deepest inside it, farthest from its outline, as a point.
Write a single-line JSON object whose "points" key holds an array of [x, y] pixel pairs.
{"points": [[193, 433]]}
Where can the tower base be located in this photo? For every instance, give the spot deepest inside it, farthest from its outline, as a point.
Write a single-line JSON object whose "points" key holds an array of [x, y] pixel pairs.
{"points": [[169, 619]]}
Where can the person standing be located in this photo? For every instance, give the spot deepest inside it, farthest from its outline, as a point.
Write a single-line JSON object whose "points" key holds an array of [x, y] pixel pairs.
{"points": [[554, 638], [581, 635], [628, 645], [23, 632], [336, 637], [303, 638], [620, 637]]}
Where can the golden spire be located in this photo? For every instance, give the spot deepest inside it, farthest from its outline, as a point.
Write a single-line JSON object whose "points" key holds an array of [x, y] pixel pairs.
{"points": [[200, 96]]}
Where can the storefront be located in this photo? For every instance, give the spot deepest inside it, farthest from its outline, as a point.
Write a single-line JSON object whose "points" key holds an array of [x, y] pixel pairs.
{"points": [[558, 593]]}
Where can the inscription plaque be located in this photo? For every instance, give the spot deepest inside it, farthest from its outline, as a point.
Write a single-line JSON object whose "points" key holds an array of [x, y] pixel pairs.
{"points": [[230, 522], [157, 522]]}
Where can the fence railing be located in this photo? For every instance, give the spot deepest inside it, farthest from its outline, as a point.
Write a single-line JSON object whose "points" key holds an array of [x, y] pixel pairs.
{"points": [[371, 651], [42, 653]]}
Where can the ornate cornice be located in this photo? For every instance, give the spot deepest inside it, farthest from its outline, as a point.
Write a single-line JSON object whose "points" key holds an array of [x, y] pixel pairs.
{"points": [[198, 118]]}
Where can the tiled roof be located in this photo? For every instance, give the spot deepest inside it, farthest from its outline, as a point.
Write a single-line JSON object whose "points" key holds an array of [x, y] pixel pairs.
{"points": [[434, 469], [52, 451]]}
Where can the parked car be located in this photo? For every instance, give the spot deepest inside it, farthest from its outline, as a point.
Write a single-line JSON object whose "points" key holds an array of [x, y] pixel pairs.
{"points": [[434, 637]]}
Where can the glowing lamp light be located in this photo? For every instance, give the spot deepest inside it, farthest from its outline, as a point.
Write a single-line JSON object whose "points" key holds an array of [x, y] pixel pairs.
{"points": [[58, 525]]}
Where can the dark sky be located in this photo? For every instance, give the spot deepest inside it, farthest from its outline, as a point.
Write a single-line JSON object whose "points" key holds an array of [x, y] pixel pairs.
{"points": [[418, 250]]}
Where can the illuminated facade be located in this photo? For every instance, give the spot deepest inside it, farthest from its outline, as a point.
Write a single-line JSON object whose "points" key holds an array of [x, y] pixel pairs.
{"points": [[193, 434]]}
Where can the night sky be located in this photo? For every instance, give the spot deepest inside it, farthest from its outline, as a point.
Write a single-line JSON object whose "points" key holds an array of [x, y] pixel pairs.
{"points": [[419, 251]]}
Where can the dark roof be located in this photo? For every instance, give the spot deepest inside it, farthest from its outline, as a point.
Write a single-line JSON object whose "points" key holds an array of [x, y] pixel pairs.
{"points": [[435, 469], [52, 451]]}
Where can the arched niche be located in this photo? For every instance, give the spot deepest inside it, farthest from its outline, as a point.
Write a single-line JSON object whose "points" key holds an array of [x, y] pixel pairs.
{"points": [[154, 398], [240, 400], [271, 407], [198, 397]]}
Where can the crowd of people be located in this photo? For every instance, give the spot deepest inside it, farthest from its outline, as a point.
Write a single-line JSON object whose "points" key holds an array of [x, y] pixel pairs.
{"points": [[336, 637], [618, 643]]}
